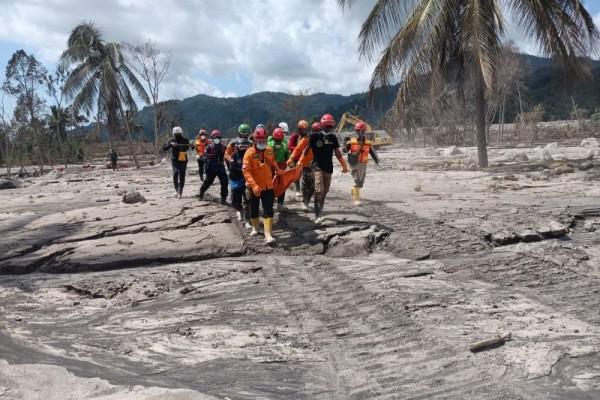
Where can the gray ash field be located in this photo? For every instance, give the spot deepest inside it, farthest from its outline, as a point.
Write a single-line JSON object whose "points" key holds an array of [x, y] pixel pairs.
{"points": [[171, 299]]}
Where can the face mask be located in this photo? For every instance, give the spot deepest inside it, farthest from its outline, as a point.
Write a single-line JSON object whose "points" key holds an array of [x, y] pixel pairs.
{"points": [[217, 141], [261, 146], [202, 137]]}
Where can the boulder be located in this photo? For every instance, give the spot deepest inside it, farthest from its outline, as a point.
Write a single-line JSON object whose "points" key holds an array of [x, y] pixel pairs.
{"points": [[452, 151], [592, 153], [586, 165], [552, 146], [562, 169], [133, 198], [529, 235], [553, 230], [7, 184], [589, 142], [542, 154], [520, 157], [589, 226], [54, 174]]}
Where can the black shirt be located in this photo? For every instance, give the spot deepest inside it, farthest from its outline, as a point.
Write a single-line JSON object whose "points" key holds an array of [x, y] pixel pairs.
{"points": [[323, 145], [183, 144]]}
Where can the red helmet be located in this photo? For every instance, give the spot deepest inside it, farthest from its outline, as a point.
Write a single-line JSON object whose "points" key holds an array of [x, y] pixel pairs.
{"points": [[360, 127], [302, 125], [278, 134], [316, 127], [216, 134], [260, 134], [327, 121]]}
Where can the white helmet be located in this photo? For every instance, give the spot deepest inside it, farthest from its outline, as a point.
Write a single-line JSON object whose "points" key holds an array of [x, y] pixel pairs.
{"points": [[284, 126], [177, 130]]}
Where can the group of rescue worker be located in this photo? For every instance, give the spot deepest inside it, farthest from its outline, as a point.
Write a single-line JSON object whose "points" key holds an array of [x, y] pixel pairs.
{"points": [[250, 163]]}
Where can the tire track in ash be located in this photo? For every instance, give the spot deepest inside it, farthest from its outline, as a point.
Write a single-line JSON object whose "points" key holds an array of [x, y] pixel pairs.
{"points": [[376, 350]]}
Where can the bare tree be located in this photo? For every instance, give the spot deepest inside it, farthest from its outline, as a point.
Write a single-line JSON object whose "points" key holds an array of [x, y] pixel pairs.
{"points": [[152, 64]]}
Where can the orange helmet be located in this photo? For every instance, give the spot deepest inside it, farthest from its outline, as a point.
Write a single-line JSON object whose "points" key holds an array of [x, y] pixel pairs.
{"points": [[327, 121], [302, 125], [316, 127], [278, 134], [360, 127]]}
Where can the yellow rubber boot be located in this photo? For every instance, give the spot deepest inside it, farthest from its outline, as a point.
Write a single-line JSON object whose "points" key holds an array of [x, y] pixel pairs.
{"points": [[255, 226], [268, 224], [357, 196]]}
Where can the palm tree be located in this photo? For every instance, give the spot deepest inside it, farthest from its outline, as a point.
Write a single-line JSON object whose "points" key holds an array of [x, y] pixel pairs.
{"points": [[462, 39], [100, 78]]}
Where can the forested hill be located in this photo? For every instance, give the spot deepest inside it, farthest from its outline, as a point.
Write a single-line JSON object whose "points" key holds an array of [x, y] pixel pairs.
{"points": [[543, 84]]}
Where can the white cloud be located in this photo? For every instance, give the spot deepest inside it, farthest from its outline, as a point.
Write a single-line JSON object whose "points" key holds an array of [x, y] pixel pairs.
{"points": [[218, 47]]}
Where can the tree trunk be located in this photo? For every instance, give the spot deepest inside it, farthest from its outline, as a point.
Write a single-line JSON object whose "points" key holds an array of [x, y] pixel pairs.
{"points": [[480, 121], [156, 150], [129, 137], [501, 127]]}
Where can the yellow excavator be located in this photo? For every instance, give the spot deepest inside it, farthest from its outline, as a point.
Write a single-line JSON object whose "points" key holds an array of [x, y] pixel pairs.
{"points": [[379, 138]]}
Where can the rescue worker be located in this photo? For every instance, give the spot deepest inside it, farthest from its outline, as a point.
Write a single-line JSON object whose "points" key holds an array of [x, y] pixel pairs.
{"points": [[200, 144], [234, 156], [258, 168], [303, 156], [293, 143], [359, 149], [114, 158], [324, 145], [215, 166], [179, 146], [278, 143], [243, 134]]}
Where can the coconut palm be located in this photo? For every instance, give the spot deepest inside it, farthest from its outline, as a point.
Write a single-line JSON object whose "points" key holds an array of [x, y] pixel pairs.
{"points": [[462, 39], [100, 79]]}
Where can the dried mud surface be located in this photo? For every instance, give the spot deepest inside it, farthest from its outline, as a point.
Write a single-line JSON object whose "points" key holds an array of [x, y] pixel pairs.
{"points": [[171, 299]]}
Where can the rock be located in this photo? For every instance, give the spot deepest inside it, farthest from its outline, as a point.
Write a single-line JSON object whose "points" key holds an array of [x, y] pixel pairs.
{"points": [[433, 153], [133, 198], [529, 235], [7, 184], [503, 238], [562, 169], [186, 290], [54, 174], [452, 151], [542, 155], [553, 230], [552, 146], [592, 153], [589, 142], [520, 157], [586, 165], [589, 226]]}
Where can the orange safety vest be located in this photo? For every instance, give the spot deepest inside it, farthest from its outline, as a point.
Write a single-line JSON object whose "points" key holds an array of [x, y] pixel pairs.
{"points": [[259, 167], [200, 146], [361, 149]]}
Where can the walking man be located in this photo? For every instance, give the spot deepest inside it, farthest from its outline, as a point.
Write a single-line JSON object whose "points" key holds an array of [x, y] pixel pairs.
{"points": [[215, 166], [358, 150], [201, 143], [114, 158], [303, 155], [179, 146], [323, 145], [234, 156], [278, 143]]}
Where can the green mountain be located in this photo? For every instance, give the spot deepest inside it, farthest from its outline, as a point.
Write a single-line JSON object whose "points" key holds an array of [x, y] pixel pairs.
{"points": [[543, 84]]}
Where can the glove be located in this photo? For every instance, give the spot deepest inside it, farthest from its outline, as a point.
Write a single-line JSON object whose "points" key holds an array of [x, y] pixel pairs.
{"points": [[256, 190]]}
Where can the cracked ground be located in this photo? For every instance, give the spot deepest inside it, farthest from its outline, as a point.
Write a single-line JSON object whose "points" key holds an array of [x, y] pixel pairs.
{"points": [[171, 299]]}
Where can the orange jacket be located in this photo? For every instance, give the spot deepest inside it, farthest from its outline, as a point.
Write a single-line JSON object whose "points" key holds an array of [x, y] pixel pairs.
{"points": [[200, 146], [259, 167], [298, 154], [229, 151]]}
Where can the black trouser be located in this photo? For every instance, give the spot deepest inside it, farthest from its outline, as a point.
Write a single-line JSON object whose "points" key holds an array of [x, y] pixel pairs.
{"points": [[267, 198], [239, 201], [201, 168], [308, 184], [281, 199], [211, 174], [179, 175], [297, 185]]}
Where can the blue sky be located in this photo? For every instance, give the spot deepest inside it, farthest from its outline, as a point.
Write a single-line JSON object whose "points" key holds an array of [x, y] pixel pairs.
{"points": [[221, 48]]}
